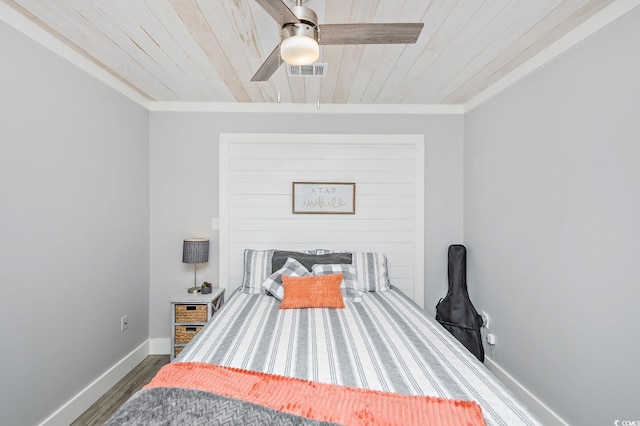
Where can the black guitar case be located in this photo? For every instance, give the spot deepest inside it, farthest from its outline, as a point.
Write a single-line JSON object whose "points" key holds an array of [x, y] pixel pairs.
{"points": [[456, 312]]}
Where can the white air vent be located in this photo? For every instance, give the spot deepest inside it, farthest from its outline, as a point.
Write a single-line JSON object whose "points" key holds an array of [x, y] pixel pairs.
{"points": [[313, 70]]}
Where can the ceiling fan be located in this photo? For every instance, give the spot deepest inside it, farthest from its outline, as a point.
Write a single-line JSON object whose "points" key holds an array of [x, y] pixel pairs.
{"points": [[301, 35]]}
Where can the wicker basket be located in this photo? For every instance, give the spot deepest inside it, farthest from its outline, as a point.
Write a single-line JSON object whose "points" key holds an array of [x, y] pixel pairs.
{"points": [[184, 334], [191, 313]]}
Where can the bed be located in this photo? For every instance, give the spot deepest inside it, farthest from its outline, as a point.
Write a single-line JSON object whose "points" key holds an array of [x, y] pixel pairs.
{"points": [[380, 356]]}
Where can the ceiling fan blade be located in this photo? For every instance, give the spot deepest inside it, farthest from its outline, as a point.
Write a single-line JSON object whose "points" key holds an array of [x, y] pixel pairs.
{"points": [[269, 66], [278, 11], [402, 33]]}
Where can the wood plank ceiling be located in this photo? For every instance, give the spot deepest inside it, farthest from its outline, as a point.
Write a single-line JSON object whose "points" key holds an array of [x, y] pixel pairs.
{"points": [[207, 50]]}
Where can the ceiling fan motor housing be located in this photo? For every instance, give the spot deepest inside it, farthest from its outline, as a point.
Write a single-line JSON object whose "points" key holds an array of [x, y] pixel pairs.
{"points": [[306, 15], [308, 25]]}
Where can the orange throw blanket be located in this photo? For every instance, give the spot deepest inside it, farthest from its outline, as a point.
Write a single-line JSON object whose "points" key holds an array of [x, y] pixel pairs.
{"points": [[319, 401]]}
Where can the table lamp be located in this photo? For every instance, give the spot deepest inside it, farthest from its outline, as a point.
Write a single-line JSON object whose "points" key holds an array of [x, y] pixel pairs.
{"points": [[195, 250]]}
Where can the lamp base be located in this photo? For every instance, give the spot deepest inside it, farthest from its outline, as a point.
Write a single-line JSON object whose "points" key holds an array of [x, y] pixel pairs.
{"points": [[193, 290]]}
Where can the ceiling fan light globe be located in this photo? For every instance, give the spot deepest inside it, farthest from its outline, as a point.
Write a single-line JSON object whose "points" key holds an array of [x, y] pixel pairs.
{"points": [[299, 50]]}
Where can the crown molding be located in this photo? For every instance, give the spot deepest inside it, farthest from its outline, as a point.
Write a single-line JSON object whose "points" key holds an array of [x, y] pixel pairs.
{"points": [[293, 108]]}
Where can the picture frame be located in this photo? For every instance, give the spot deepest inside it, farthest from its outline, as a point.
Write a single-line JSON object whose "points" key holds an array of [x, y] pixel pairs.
{"points": [[323, 198]]}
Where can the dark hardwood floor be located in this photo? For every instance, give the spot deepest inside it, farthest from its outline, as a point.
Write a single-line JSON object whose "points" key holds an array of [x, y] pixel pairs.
{"points": [[109, 403]]}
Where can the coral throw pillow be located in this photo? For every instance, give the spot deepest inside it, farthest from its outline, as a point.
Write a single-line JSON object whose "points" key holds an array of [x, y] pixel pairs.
{"points": [[321, 291]]}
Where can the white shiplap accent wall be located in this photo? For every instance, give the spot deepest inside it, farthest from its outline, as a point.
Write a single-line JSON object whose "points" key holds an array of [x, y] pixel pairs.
{"points": [[256, 173]]}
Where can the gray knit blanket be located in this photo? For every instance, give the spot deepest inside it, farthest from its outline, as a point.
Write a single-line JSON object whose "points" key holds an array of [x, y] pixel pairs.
{"points": [[177, 406]]}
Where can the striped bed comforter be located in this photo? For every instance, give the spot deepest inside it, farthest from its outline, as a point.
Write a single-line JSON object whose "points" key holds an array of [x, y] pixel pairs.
{"points": [[385, 342]]}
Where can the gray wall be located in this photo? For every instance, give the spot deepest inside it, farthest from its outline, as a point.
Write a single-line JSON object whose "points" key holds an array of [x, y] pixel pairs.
{"points": [[74, 220], [552, 224], [184, 188]]}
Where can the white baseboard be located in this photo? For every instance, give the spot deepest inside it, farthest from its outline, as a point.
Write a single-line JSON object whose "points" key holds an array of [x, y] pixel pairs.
{"points": [[77, 405], [546, 415], [160, 346]]}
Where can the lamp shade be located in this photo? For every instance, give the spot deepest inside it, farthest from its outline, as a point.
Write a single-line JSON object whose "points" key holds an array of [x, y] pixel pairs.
{"points": [[195, 250], [299, 50]]}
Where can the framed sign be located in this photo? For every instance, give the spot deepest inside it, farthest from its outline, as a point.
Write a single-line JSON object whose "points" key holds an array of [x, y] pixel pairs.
{"points": [[324, 198]]}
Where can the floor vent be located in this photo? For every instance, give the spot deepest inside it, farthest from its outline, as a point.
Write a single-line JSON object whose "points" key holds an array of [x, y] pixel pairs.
{"points": [[313, 70]]}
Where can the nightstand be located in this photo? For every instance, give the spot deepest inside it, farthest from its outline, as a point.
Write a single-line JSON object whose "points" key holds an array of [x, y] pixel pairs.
{"points": [[189, 313]]}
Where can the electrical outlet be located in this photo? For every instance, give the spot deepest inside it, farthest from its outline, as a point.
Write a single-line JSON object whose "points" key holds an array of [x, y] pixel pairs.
{"points": [[491, 339], [124, 322], [485, 319]]}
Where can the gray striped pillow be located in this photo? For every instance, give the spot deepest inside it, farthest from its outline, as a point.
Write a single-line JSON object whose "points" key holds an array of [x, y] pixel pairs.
{"points": [[257, 267], [273, 283], [349, 285], [371, 270]]}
